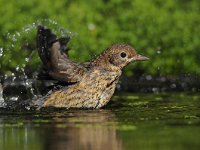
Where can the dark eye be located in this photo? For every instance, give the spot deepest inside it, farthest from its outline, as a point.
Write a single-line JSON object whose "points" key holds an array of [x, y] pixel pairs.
{"points": [[123, 54]]}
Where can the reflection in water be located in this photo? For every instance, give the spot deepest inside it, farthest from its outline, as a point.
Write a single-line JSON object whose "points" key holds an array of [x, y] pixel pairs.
{"points": [[143, 121], [19, 137], [85, 130], [88, 129]]}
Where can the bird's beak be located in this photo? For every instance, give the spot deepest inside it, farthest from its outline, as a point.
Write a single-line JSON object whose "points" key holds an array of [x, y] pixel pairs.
{"points": [[139, 57]]}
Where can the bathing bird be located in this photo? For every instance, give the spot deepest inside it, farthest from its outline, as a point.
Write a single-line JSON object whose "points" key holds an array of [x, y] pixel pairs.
{"points": [[91, 84]]}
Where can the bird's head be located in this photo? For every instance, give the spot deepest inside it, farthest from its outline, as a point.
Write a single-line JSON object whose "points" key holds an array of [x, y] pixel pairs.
{"points": [[119, 55]]}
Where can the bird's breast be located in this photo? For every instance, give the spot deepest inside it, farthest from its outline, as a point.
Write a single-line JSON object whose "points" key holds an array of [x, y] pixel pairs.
{"points": [[93, 91], [99, 79]]}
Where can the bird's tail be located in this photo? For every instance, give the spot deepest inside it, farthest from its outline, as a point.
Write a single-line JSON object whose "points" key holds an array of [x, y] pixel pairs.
{"points": [[45, 40]]}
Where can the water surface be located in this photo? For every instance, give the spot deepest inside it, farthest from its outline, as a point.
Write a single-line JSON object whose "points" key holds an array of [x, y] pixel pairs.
{"points": [[130, 121]]}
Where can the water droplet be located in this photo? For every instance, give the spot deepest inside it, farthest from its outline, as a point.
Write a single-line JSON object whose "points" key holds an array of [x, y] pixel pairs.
{"points": [[22, 69], [27, 107], [158, 51], [149, 77], [27, 29], [6, 76], [1, 52], [14, 98], [91, 26], [173, 85], [2, 103], [18, 34], [13, 79], [155, 90], [27, 59], [17, 68]]}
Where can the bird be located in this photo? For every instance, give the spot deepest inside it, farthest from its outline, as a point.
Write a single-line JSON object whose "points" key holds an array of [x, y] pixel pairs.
{"points": [[91, 84]]}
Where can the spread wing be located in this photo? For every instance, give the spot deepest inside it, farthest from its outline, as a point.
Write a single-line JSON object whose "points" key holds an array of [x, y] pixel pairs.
{"points": [[54, 54]]}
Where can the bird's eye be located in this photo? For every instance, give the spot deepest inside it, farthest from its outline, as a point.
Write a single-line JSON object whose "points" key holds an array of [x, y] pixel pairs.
{"points": [[123, 54]]}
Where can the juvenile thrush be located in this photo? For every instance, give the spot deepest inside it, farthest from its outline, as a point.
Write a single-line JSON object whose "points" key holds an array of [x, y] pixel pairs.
{"points": [[93, 83]]}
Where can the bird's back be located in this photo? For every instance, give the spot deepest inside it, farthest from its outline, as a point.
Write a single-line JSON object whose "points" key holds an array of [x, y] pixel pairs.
{"points": [[53, 53]]}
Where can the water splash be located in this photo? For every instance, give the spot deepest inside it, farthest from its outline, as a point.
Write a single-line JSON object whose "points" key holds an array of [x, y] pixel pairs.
{"points": [[24, 41], [58, 29], [2, 102], [158, 51], [1, 52], [19, 50], [25, 38], [149, 77], [155, 90], [1, 55]]}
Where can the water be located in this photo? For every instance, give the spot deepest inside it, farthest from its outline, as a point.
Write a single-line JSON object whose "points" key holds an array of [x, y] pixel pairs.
{"points": [[130, 121], [2, 103], [23, 42]]}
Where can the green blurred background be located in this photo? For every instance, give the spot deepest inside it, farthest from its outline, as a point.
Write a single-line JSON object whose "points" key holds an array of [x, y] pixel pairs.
{"points": [[166, 31]]}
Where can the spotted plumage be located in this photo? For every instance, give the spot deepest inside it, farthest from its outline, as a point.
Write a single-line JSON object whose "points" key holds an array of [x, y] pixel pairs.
{"points": [[94, 82]]}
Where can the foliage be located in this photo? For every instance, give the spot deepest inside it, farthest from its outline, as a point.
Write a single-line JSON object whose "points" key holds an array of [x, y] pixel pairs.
{"points": [[166, 31]]}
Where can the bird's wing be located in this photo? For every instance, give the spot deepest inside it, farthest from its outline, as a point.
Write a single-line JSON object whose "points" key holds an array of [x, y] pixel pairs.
{"points": [[54, 54]]}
